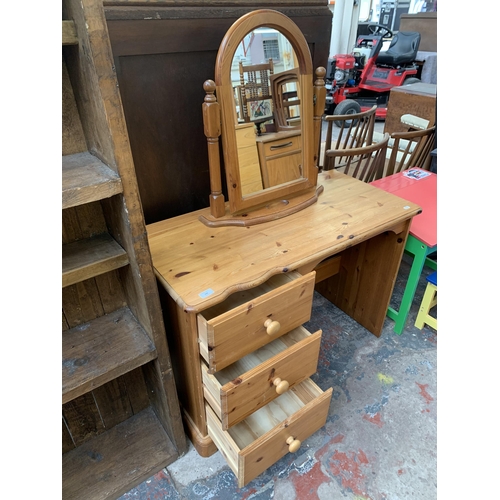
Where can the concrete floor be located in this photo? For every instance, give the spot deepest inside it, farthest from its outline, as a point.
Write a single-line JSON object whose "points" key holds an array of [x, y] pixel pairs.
{"points": [[380, 439]]}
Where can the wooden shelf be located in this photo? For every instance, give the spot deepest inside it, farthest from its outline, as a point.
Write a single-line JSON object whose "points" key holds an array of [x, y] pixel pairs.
{"points": [[114, 462], [99, 351], [85, 178], [91, 257]]}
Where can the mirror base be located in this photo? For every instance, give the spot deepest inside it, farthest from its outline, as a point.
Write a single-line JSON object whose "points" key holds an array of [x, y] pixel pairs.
{"points": [[271, 211]]}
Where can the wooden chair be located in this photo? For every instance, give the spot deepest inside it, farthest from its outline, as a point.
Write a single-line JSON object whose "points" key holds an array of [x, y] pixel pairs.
{"points": [[354, 130], [365, 163], [410, 149], [285, 100], [255, 91]]}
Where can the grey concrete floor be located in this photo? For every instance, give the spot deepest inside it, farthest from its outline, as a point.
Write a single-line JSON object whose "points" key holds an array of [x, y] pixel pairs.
{"points": [[380, 438]]}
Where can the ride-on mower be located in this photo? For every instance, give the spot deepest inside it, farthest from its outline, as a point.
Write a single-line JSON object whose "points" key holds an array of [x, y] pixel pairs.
{"points": [[359, 80]]}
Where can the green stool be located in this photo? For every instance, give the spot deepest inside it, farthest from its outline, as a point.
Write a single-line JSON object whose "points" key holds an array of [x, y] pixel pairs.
{"points": [[420, 252]]}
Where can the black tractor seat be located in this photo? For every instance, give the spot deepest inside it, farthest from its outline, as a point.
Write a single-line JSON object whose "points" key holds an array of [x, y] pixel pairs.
{"points": [[403, 49]]}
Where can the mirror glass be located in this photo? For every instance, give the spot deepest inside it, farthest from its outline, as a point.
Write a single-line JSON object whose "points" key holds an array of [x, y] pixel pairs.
{"points": [[267, 111]]}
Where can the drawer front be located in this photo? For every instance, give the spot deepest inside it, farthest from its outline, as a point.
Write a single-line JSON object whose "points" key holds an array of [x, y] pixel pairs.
{"points": [[251, 446], [253, 381], [235, 333], [282, 169], [281, 146]]}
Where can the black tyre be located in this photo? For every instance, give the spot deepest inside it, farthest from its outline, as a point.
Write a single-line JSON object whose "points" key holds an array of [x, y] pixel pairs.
{"points": [[410, 80], [346, 107]]}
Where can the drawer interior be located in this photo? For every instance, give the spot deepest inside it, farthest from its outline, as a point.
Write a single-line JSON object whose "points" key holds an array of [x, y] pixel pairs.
{"points": [[239, 298], [249, 319], [253, 445]]}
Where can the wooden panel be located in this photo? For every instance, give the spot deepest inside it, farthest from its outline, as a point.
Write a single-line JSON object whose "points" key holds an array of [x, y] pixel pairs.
{"points": [[97, 352], [134, 449], [183, 343], [110, 291], [82, 222], [67, 442], [81, 302], [73, 140], [367, 270], [83, 419], [161, 68], [111, 399], [85, 179], [85, 259]]}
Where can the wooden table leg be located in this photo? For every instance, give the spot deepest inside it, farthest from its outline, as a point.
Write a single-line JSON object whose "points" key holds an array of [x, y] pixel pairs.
{"points": [[419, 252]]}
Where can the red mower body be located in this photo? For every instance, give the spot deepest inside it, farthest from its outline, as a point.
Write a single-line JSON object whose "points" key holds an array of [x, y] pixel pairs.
{"points": [[367, 75]]}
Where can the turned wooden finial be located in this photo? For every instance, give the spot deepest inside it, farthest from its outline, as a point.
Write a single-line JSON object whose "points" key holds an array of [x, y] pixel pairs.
{"points": [[212, 126], [209, 88], [319, 109], [320, 76]]}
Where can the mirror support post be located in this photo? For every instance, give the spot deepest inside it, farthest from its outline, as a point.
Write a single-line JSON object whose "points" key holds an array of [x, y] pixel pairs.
{"points": [[319, 108], [212, 128]]}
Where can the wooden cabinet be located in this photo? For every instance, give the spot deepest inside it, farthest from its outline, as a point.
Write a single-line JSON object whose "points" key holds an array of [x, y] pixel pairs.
{"points": [[280, 156], [236, 300], [417, 99], [120, 413]]}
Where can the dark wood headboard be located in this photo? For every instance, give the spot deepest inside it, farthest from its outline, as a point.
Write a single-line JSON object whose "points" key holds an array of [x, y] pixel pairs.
{"points": [[426, 24]]}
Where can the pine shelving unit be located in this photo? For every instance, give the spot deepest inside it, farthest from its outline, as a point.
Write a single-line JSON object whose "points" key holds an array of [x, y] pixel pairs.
{"points": [[121, 416]]}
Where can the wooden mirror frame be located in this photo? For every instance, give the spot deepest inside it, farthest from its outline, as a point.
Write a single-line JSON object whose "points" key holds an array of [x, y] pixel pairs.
{"points": [[273, 202]]}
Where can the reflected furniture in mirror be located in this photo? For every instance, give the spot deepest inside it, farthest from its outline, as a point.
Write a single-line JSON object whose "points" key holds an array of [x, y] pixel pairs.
{"points": [[254, 93], [236, 298], [286, 100], [277, 93]]}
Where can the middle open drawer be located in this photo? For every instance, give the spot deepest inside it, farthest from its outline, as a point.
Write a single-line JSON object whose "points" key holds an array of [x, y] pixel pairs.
{"points": [[256, 379]]}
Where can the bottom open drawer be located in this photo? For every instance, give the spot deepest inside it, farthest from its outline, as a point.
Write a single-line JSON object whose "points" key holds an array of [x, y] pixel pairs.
{"points": [[257, 442]]}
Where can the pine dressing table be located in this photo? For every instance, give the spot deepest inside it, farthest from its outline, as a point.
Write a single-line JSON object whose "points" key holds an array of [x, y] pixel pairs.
{"points": [[348, 246], [237, 278]]}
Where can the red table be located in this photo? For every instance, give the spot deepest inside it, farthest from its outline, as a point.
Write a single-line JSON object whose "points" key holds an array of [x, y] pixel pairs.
{"points": [[418, 186]]}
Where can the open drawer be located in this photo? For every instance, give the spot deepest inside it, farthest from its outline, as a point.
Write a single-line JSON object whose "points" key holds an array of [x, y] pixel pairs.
{"points": [[261, 376], [257, 442], [247, 320]]}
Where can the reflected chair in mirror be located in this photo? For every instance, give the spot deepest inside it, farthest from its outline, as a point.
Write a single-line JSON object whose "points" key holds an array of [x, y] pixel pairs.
{"points": [[286, 101], [365, 163], [255, 93], [347, 131], [410, 149]]}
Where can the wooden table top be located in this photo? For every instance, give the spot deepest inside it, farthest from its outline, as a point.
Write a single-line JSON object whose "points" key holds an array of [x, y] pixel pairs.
{"points": [[422, 191], [201, 266]]}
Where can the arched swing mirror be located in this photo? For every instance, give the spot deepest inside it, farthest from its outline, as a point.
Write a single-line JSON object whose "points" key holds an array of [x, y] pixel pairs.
{"points": [[270, 116]]}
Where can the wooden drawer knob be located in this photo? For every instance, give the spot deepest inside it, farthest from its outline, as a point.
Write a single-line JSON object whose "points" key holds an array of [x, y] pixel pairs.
{"points": [[281, 385], [293, 444], [272, 327]]}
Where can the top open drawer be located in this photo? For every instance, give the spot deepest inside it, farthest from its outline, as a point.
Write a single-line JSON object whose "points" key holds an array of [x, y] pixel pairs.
{"points": [[250, 319]]}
